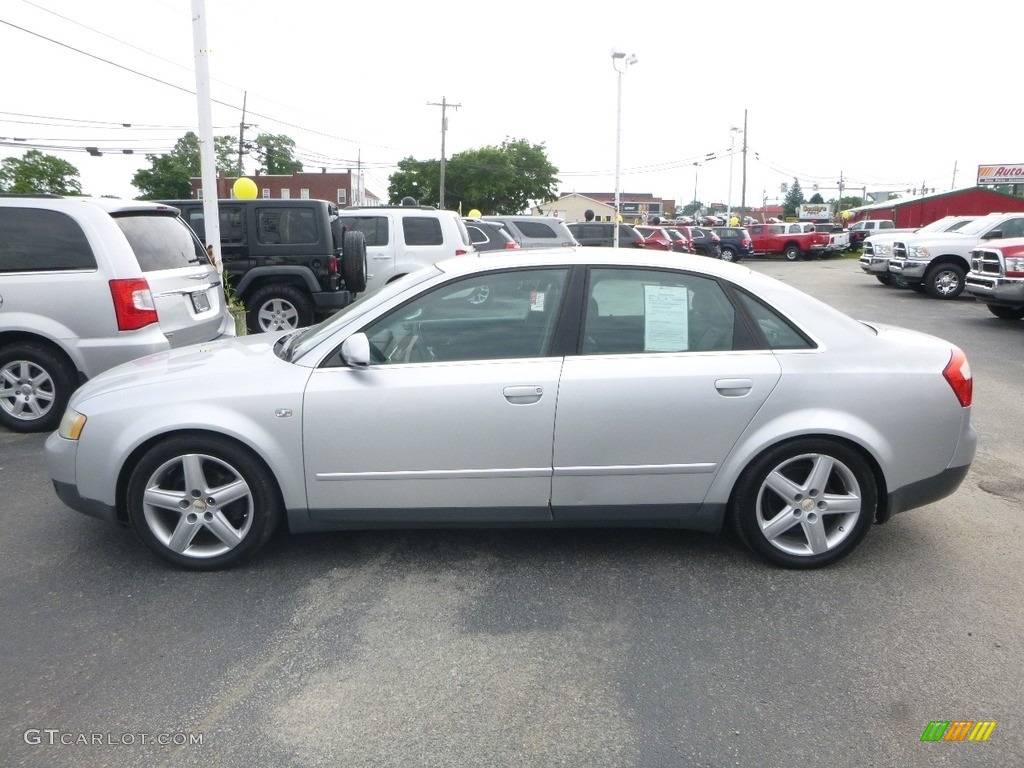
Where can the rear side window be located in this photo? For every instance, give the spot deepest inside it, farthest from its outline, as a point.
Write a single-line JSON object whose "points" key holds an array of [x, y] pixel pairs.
{"points": [[34, 240], [422, 230], [161, 242], [286, 226], [777, 331], [374, 228], [536, 229]]}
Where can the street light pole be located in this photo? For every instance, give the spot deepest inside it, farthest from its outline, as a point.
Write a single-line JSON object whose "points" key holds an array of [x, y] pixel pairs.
{"points": [[620, 62], [732, 147]]}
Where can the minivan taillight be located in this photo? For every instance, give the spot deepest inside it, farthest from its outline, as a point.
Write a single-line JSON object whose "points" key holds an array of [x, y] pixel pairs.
{"points": [[133, 303], [958, 373]]}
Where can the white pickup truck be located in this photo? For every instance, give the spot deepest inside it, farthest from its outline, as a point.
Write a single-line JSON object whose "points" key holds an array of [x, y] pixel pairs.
{"points": [[838, 238], [937, 262], [874, 259]]}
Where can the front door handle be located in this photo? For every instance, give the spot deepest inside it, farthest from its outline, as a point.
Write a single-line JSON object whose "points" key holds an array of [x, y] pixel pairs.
{"points": [[523, 395]]}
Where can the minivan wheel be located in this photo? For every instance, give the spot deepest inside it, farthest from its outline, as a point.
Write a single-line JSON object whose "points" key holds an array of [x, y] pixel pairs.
{"points": [[805, 503], [35, 386], [353, 261], [945, 281], [202, 502], [278, 307]]}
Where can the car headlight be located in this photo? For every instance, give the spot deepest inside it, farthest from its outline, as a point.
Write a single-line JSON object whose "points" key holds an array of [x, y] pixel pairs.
{"points": [[71, 425], [917, 252], [1014, 266], [883, 250]]}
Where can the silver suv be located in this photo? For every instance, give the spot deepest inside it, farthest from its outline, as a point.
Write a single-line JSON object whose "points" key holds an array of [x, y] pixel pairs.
{"points": [[535, 231], [87, 284], [403, 238]]}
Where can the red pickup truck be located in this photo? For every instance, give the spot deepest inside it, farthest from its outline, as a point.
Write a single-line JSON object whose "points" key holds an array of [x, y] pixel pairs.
{"points": [[793, 241]]}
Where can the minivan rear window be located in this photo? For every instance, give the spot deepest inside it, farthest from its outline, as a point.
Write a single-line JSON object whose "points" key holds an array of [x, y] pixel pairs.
{"points": [[161, 241], [34, 240]]}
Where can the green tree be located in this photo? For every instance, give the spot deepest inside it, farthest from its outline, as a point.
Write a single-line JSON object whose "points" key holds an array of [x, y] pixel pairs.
{"points": [[816, 198], [276, 153], [794, 199], [169, 176], [36, 173], [502, 179]]}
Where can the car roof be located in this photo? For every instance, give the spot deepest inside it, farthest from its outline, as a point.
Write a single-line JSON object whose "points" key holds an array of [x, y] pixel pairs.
{"points": [[107, 204]]}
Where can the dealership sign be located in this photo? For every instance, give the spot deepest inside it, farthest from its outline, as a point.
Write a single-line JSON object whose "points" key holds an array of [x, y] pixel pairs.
{"points": [[815, 212], [1001, 174]]}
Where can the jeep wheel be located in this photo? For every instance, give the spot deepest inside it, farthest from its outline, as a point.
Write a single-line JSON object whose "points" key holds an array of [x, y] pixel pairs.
{"points": [[353, 261], [729, 254], [35, 385], [946, 281], [1006, 313], [792, 253], [278, 307]]}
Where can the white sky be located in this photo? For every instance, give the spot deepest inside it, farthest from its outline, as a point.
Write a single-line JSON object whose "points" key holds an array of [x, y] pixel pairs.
{"points": [[891, 94]]}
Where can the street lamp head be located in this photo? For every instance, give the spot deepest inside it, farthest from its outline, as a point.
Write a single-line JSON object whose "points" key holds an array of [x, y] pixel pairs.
{"points": [[618, 55], [621, 61]]}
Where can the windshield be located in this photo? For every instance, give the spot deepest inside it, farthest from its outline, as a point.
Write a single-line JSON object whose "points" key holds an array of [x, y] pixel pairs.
{"points": [[944, 225], [304, 339], [977, 226]]}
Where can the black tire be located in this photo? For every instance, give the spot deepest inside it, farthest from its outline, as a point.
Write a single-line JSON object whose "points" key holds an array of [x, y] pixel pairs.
{"points": [[792, 253], [884, 279], [944, 281], [183, 522], [1006, 313], [278, 307], [777, 508], [729, 254], [35, 385], [353, 261]]}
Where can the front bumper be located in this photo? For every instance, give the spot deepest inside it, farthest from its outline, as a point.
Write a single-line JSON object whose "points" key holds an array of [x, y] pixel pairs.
{"points": [[60, 460], [874, 265], [908, 269], [996, 290]]}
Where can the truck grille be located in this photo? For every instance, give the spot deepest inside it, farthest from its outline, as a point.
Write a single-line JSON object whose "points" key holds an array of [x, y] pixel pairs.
{"points": [[869, 248], [986, 262], [899, 250]]}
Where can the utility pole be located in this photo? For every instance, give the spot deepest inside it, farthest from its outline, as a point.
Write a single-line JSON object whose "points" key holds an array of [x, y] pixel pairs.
{"points": [[841, 185], [953, 186], [444, 128], [743, 193], [241, 135]]}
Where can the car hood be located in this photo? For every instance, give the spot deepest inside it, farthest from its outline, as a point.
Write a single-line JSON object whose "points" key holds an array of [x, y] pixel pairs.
{"points": [[938, 239], [202, 368]]}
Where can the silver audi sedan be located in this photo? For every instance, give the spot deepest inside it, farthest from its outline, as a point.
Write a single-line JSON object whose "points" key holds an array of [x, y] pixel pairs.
{"points": [[594, 387]]}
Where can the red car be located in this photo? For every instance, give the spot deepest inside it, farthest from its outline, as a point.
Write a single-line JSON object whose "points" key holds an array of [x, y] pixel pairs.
{"points": [[681, 242], [657, 238]]}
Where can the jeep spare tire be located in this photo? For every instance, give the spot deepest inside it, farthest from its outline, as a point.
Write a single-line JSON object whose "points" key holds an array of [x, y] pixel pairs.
{"points": [[353, 261]]}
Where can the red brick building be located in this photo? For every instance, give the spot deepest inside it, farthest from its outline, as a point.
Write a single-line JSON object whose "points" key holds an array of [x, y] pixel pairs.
{"points": [[333, 187]]}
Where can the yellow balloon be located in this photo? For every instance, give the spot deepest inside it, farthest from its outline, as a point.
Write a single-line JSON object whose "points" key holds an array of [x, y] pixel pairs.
{"points": [[475, 214], [845, 215], [245, 189]]}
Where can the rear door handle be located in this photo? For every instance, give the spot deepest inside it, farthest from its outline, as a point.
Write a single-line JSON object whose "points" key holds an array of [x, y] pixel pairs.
{"points": [[523, 395], [734, 387]]}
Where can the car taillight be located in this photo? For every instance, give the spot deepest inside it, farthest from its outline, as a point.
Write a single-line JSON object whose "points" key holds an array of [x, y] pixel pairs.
{"points": [[745, 242], [958, 373], [1014, 266], [133, 303], [332, 265], [460, 252], [511, 245]]}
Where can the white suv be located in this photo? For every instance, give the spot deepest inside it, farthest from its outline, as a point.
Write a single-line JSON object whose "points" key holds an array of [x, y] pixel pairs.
{"points": [[403, 238], [87, 284]]}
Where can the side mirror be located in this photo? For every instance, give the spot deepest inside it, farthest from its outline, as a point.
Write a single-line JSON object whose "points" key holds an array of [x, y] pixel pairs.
{"points": [[355, 351]]}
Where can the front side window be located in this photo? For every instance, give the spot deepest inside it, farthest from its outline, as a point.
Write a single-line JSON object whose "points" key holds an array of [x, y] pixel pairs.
{"points": [[422, 230], [633, 311], [161, 242], [34, 240], [450, 324]]}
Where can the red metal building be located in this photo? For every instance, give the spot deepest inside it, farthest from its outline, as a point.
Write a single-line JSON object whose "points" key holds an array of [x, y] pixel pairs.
{"points": [[918, 211]]}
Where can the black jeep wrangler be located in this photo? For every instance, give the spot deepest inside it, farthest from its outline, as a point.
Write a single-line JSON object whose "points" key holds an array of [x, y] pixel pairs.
{"points": [[289, 261]]}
